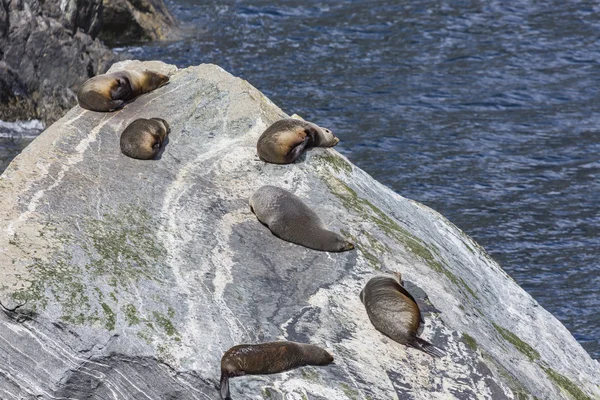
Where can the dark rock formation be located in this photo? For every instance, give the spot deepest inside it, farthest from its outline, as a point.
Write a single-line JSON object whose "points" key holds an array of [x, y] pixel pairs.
{"points": [[135, 21], [49, 48], [46, 51]]}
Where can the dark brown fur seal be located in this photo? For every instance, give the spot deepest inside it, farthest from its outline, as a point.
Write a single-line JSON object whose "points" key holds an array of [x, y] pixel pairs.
{"points": [[143, 138], [109, 92], [268, 358], [284, 141], [290, 219], [395, 313]]}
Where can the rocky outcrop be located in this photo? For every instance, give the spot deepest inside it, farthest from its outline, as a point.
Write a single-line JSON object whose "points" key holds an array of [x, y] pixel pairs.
{"points": [[48, 49], [47, 52], [129, 279], [136, 21]]}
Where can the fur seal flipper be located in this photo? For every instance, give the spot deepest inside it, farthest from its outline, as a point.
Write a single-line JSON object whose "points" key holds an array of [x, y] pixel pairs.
{"points": [[109, 92], [394, 312], [286, 139], [268, 358], [290, 219], [143, 138]]}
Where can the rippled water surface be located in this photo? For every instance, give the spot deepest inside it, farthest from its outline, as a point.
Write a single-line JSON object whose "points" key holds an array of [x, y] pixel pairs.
{"points": [[486, 112]]}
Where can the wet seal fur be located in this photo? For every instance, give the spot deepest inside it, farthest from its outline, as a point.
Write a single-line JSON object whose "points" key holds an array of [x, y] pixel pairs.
{"points": [[268, 358], [286, 139], [110, 92], [143, 138], [395, 313], [290, 219]]}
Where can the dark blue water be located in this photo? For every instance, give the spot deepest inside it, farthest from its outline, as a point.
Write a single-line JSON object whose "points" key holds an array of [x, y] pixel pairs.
{"points": [[486, 112]]}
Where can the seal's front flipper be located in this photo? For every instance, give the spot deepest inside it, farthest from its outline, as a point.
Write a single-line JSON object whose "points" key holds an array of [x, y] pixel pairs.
{"points": [[116, 104], [296, 151]]}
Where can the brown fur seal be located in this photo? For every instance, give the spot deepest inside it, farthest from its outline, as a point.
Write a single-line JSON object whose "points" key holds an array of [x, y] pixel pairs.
{"points": [[290, 219], [395, 313], [268, 358], [143, 138], [284, 141], [109, 92]]}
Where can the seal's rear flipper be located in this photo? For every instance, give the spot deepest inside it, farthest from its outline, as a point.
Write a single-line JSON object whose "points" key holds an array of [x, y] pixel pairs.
{"points": [[427, 347], [225, 395]]}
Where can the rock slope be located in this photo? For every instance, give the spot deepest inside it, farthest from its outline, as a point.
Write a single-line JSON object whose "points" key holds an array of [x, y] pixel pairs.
{"points": [[126, 279]]}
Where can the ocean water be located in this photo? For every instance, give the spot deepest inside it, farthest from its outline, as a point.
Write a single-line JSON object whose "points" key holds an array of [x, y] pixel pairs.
{"points": [[14, 136], [487, 112]]}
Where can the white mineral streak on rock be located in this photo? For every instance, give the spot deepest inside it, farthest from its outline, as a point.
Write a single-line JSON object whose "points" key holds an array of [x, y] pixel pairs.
{"points": [[138, 275]]}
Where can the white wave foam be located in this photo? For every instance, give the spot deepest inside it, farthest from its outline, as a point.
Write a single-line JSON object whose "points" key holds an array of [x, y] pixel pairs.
{"points": [[21, 129]]}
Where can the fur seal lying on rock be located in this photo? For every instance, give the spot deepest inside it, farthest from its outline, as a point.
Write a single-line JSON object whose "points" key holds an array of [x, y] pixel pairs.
{"points": [[395, 313], [143, 138], [268, 358], [109, 92], [290, 219], [284, 141]]}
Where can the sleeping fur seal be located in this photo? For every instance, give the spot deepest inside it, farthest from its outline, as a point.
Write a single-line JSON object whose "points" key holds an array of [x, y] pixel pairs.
{"points": [[286, 139], [143, 138], [268, 358], [290, 219], [109, 92], [395, 313]]}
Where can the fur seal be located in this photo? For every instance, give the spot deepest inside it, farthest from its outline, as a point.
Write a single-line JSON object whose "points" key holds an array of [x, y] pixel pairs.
{"points": [[109, 92], [143, 138], [290, 219], [268, 358], [284, 141], [395, 313]]}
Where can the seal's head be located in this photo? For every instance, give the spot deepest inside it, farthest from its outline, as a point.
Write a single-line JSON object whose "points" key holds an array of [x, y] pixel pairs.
{"points": [[315, 355], [330, 137], [339, 242], [155, 79], [165, 124], [345, 245], [321, 137]]}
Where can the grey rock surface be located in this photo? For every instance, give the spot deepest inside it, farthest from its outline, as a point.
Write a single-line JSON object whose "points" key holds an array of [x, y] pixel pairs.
{"points": [[128, 279]]}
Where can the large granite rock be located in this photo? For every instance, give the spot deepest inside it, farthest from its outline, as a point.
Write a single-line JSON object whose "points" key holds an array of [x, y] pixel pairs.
{"points": [[127, 21], [128, 279]]}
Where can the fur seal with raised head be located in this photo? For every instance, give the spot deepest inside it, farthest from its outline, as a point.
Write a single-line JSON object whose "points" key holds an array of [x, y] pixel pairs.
{"points": [[109, 92], [290, 219], [268, 358], [395, 313], [284, 141], [143, 138]]}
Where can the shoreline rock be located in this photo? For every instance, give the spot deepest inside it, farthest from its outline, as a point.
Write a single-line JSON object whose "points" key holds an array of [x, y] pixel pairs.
{"points": [[138, 282], [136, 21], [48, 49]]}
